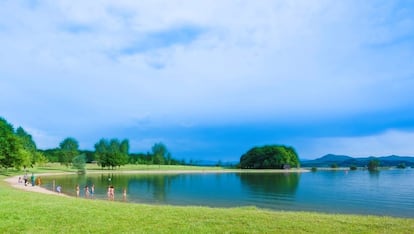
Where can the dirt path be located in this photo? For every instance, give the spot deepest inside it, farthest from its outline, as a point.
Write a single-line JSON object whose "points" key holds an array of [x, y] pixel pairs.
{"points": [[14, 182]]}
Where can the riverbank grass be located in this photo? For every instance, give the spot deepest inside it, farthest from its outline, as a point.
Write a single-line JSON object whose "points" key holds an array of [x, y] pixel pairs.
{"points": [[30, 212]]}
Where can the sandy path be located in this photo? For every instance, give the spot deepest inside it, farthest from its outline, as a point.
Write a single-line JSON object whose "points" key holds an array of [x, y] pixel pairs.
{"points": [[14, 182]]}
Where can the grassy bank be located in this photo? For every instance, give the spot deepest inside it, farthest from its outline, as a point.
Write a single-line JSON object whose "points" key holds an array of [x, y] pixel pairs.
{"points": [[29, 212]]}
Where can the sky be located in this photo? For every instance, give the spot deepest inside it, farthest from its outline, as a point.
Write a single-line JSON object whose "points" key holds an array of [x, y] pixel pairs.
{"points": [[212, 79]]}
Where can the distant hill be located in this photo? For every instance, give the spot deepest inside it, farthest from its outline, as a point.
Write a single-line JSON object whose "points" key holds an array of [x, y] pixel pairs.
{"points": [[347, 161]]}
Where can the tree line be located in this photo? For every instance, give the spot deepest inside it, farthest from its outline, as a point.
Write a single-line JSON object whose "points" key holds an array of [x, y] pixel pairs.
{"points": [[18, 150]]}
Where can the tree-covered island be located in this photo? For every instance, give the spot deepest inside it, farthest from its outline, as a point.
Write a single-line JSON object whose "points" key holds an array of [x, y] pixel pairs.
{"points": [[270, 157]]}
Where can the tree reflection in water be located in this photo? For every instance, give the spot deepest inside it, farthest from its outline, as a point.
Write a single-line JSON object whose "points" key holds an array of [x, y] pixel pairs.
{"points": [[274, 183]]}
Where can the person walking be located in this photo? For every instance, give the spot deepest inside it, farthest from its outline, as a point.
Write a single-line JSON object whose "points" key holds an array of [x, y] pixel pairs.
{"points": [[124, 194], [25, 179], [33, 179]]}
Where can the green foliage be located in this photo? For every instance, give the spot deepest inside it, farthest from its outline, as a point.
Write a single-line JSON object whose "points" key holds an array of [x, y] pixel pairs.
{"points": [[270, 156], [334, 165], [69, 148], [401, 166], [111, 153], [28, 149], [373, 165], [89, 155], [353, 168], [10, 146], [79, 163], [314, 169], [159, 151], [51, 155]]}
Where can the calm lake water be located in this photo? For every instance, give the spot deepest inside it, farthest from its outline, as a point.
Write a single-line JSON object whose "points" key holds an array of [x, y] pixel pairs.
{"points": [[387, 192]]}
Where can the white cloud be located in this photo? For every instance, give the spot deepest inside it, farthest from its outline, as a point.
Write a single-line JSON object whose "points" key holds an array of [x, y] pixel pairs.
{"points": [[390, 142], [252, 61]]}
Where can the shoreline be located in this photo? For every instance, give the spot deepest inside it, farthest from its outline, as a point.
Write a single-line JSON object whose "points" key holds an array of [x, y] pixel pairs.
{"points": [[13, 181]]}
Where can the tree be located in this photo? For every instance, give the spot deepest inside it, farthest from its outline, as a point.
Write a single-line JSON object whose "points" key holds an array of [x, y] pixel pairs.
{"points": [[79, 163], [9, 146], [101, 152], [111, 153], [28, 150], [401, 166], [373, 165], [270, 156], [69, 149], [160, 153], [124, 151], [353, 167]]}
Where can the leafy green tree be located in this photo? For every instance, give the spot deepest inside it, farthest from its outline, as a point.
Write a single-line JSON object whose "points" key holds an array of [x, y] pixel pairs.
{"points": [[401, 166], [40, 158], [9, 146], [29, 150], [124, 152], [69, 149], [159, 152], [79, 163], [111, 153], [102, 153], [373, 165], [270, 156], [51, 155]]}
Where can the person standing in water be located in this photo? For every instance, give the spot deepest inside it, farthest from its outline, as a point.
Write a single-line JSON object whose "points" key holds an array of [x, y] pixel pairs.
{"points": [[77, 190], [92, 190], [86, 191], [124, 193]]}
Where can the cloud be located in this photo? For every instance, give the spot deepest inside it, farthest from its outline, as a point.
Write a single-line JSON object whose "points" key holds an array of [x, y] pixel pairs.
{"points": [[390, 142], [182, 35], [302, 69]]}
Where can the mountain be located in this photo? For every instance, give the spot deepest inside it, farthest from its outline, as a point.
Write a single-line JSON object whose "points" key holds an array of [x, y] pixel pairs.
{"points": [[347, 161]]}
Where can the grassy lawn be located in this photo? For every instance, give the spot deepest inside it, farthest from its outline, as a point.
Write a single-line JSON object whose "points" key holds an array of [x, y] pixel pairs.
{"points": [[30, 212]]}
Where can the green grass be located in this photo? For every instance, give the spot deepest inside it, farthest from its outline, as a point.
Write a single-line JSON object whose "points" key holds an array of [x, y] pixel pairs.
{"points": [[57, 167], [30, 212]]}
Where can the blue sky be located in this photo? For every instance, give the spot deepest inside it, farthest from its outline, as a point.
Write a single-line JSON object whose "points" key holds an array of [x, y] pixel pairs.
{"points": [[211, 79]]}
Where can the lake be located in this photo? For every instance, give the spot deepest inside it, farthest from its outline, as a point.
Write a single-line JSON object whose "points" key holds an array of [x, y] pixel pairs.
{"points": [[387, 192]]}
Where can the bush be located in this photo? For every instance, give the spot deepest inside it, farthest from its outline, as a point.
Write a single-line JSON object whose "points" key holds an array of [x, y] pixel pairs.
{"points": [[353, 168], [401, 166], [373, 165]]}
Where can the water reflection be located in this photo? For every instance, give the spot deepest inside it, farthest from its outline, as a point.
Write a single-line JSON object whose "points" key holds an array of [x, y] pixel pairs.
{"points": [[274, 183], [374, 174], [327, 191]]}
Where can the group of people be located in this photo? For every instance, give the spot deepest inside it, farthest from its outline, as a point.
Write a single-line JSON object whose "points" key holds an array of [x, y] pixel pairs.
{"points": [[90, 191], [111, 193], [34, 181]]}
